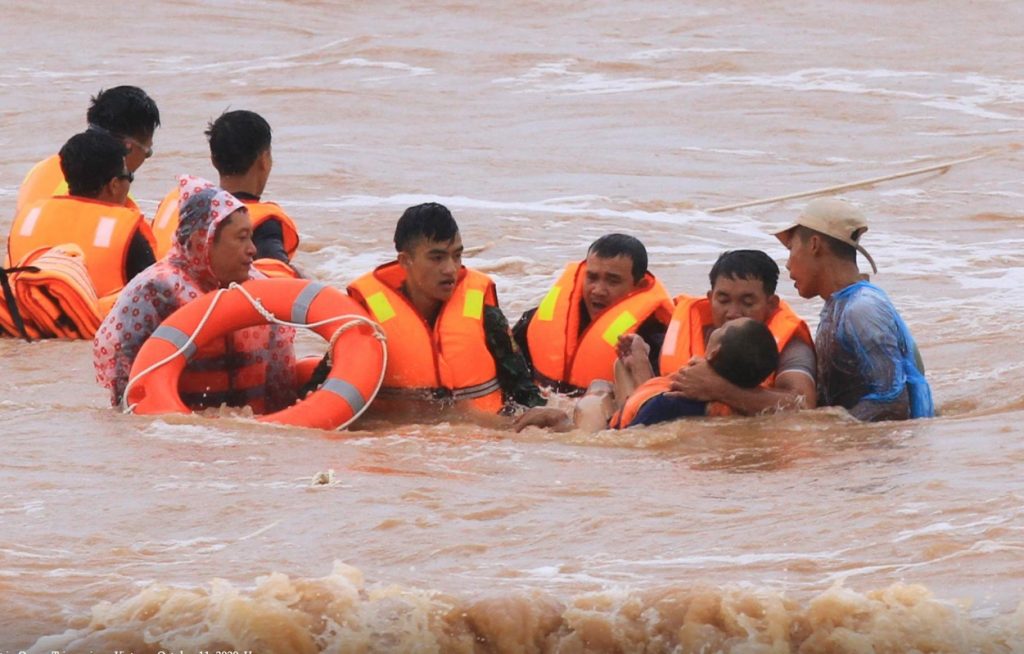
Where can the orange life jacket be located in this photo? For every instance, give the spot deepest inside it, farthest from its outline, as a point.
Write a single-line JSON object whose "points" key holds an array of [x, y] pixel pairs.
{"points": [[103, 231], [692, 318], [165, 223], [224, 373], [561, 355], [449, 361], [685, 339], [55, 294], [44, 180], [645, 391]]}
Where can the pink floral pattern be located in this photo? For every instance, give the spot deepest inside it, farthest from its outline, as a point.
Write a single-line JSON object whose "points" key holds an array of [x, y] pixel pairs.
{"points": [[183, 275]]}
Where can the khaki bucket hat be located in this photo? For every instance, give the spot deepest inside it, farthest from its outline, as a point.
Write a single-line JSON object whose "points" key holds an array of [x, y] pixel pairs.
{"points": [[832, 217]]}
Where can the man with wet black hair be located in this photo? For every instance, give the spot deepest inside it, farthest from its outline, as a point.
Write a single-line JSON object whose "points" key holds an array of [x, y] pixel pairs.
{"points": [[124, 112], [115, 238], [448, 342], [570, 339], [742, 352], [240, 150]]}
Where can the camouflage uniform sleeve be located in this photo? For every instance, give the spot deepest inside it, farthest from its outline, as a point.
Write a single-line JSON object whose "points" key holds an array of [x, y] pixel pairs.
{"points": [[514, 377]]}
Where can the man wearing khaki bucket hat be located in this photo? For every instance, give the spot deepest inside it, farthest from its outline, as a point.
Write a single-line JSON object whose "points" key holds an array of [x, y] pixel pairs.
{"points": [[868, 362]]}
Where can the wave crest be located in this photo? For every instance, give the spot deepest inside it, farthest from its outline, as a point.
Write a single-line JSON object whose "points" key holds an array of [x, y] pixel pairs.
{"points": [[338, 614]]}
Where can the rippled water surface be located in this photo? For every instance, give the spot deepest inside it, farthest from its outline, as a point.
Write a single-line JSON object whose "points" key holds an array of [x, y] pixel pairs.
{"points": [[542, 125]]}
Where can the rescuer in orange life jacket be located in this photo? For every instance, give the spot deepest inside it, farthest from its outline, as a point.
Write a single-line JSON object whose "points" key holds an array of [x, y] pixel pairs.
{"points": [[240, 150], [743, 285], [742, 351], [570, 339], [125, 112], [448, 342], [114, 237]]}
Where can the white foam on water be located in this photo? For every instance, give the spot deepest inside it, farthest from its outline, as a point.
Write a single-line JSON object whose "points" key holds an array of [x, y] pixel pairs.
{"points": [[601, 84], [995, 89], [179, 66], [28, 552], [207, 433], [589, 206], [738, 559], [359, 62], [556, 575], [1010, 280], [741, 153], [559, 76], [552, 77], [28, 508], [183, 65], [905, 193], [946, 527], [665, 53], [183, 485], [343, 265], [841, 80], [970, 107]]}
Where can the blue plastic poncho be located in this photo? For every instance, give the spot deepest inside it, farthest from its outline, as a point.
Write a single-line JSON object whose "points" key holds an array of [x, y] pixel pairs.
{"points": [[867, 360]]}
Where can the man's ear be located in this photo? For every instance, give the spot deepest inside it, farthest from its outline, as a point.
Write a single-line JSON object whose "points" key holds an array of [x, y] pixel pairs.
{"points": [[712, 352], [109, 189], [709, 294], [773, 303], [404, 259], [815, 245], [265, 161]]}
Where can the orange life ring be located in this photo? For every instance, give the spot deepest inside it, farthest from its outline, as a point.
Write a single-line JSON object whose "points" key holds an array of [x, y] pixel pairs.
{"points": [[347, 390]]}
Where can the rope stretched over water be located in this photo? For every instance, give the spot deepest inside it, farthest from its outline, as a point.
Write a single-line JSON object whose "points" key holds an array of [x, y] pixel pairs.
{"points": [[942, 167]]}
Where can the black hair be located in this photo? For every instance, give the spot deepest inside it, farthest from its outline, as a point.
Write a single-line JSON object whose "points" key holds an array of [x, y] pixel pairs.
{"points": [[746, 264], [236, 139], [430, 220], [124, 111], [840, 249], [610, 246], [747, 353], [91, 159]]}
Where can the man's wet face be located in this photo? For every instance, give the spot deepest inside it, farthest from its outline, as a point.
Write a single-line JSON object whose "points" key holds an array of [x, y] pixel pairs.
{"points": [[432, 267], [607, 280]]}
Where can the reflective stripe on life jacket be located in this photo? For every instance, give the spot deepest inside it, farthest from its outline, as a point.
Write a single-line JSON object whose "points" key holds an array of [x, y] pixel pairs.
{"points": [[561, 355], [103, 231], [449, 362]]}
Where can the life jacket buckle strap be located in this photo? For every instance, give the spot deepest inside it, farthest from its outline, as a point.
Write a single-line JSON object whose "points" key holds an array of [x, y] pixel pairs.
{"points": [[12, 305]]}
